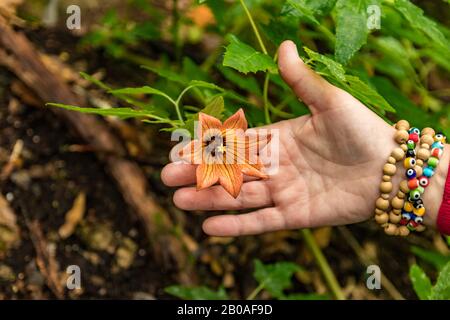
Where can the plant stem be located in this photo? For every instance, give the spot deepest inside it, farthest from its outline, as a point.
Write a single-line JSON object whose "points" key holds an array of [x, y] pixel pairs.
{"points": [[323, 264], [176, 31], [255, 29], [266, 98], [255, 292]]}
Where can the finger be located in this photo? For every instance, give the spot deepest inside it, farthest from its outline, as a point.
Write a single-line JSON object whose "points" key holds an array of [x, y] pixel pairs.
{"points": [[177, 174], [315, 91], [254, 194], [256, 222]]}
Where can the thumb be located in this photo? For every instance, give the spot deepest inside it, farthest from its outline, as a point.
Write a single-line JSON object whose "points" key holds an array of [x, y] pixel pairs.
{"points": [[317, 93]]}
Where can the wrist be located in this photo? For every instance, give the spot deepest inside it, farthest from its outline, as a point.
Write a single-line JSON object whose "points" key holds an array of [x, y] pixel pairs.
{"points": [[434, 193]]}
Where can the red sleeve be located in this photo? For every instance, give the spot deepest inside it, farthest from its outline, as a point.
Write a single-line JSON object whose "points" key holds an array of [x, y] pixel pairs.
{"points": [[443, 219]]}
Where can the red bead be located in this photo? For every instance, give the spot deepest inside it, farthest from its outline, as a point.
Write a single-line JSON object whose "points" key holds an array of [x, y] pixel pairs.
{"points": [[413, 184], [414, 137], [436, 152]]}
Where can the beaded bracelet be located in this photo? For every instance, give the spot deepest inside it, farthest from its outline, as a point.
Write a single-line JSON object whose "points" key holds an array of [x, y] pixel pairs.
{"points": [[407, 214]]}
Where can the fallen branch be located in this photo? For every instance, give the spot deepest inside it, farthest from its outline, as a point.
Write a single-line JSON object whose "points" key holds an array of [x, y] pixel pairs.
{"points": [[22, 58]]}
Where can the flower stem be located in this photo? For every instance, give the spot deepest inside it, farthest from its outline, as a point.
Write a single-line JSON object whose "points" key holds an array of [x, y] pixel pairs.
{"points": [[255, 292], [255, 29], [325, 268]]}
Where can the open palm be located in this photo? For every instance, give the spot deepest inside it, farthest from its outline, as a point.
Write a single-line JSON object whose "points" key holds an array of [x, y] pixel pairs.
{"points": [[329, 168]]}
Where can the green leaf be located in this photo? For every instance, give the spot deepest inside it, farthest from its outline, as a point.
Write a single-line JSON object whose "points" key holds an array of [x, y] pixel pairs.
{"points": [[247, 83], [351, 28], [245, 59], [275, 277], [334, 67], [437, 259], [280, 29], [420, 281], [303, 11], [441, 290], [318, 8], [141, 90], [197, 293], [305, 296], [122, 113], [214, 108], [419, 21]]}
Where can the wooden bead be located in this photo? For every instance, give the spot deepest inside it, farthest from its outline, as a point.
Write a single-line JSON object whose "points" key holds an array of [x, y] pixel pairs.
{"points": [[391, 160], [394, 218], [385, 196], [397, 211], [382, 218], [423, 154], [420, 228], [427, 139], [401, 136], [419, 162], [428, 132], [404, 147], [425, 146], [391, 229], [401, 195], [398, 154], [397, 203], [419, 171], [402, 125], [386, 187], [404, 186], [389, 169], [378, 211], [382, 204], [403, 231], [387, 178]]}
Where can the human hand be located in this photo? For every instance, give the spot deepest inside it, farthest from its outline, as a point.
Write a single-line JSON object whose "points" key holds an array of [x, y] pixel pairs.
{"points": [[329, 171]]}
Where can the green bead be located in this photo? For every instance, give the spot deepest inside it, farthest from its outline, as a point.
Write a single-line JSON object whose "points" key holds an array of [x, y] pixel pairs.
{"points": [[414, 194], [433, 162], [421, 189], [411, 145]]}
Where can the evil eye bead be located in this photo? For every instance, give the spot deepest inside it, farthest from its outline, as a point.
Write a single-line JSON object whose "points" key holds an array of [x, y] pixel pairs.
{"points": [[414, 137], [433, 162], [436, 152], [440, 137], [418, 204], [413, 184], [409, 162], [408, 207], [418, 220], [424, 181], [411, 173], [428, 172], [437, 144], [410, 144], [414, 130], [419, 211], [410, 153], [414, 195]]}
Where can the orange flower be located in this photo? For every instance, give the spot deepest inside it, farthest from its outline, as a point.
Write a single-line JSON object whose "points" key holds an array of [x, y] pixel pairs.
{"points": [[224, 152]]}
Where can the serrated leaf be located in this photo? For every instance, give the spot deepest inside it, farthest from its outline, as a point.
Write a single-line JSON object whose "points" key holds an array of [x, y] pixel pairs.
{"points": [[421, 282], [418, 20], [441, 290], [334, 67], [280, 29], [351, 28], [275, 277], [247, 83], [245, 59], [122, 113], [197, 293], [317, 8]]}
